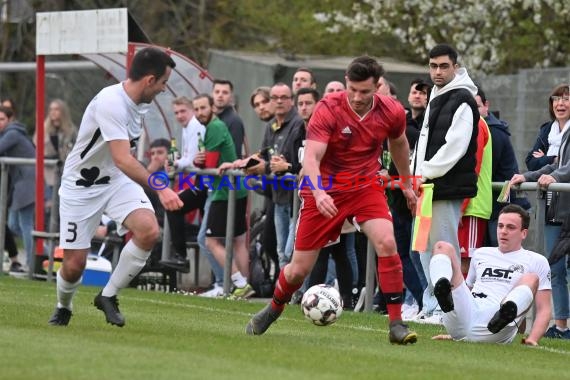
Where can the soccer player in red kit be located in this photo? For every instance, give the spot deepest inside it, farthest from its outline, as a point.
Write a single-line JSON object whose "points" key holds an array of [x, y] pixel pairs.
{"points": [[341, 161]]}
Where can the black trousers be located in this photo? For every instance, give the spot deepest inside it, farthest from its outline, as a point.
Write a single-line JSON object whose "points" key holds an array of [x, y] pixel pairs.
{"points": [[193, 200], [343, 268], [10, 243]]}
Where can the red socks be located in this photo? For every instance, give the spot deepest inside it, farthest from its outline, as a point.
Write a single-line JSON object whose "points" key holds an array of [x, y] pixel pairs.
{"points": [[283, 292], [392, 284]]}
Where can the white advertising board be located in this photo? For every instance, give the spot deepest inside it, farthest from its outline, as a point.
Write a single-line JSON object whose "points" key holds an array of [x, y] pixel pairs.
{"points": [[82, 32]]}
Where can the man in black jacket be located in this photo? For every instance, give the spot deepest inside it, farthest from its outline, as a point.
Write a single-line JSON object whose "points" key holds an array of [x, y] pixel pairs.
{"points": [[223, 94]]}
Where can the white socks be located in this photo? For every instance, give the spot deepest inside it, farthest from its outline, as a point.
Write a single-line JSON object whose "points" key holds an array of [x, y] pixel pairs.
{"points": [[131, 261], [440, 266], [522, 296], [238, 280], [65, 291]]}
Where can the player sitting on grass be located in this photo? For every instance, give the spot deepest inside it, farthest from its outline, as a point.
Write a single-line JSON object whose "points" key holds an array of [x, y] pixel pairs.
{"points": [[500, 288]]}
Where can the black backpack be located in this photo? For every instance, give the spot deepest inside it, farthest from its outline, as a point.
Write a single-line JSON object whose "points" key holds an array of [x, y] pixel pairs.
{"points": [[259, 263]]}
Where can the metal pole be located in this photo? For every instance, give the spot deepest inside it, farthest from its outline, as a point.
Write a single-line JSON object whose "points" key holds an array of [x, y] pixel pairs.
{"points": [[40, 94], [540, 217], [3, 207], [165, 239], [370, 276], [229, 235], [54, 218]]}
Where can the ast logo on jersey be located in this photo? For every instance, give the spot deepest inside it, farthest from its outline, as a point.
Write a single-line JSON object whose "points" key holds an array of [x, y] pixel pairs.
{"points": [[501, 273]]}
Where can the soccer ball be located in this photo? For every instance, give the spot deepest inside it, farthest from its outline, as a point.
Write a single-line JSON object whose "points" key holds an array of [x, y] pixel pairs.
{"points": [[322, 305]]}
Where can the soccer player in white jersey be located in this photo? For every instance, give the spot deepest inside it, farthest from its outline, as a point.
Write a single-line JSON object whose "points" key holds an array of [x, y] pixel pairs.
{"points": [[500, 288], [101, 176]]}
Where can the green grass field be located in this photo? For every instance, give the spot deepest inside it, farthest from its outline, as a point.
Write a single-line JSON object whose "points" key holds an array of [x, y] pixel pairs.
{"points": [[172, 336]]}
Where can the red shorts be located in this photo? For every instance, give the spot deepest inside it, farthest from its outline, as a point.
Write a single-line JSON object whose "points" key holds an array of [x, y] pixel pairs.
{"points": [[471, 234], [315, 231]]}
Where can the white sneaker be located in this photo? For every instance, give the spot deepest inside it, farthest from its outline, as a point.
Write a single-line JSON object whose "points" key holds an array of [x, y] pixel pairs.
{"points": [[420, 315], [216, 291], [409, 312], [435, 319]]}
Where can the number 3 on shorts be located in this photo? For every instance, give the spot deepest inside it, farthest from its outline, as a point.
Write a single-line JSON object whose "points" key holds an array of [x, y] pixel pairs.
{"points": [[72, 227]]}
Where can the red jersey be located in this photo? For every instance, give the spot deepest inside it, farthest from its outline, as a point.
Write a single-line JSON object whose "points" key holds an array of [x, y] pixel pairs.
{"points": [[354, 143]]}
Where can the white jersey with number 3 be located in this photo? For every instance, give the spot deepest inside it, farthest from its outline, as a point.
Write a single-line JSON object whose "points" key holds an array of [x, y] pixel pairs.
{"points": [[493, 274], [111, 115]]}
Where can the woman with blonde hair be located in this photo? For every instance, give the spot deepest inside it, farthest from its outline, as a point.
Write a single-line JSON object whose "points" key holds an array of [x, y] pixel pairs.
{"points": [[60, 135]]}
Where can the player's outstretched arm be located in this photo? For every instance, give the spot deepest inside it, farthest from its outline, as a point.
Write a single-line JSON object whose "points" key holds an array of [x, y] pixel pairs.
{"points": [[400, 152], [543, 314], [314, 152], [125, 162], [169, 199]]}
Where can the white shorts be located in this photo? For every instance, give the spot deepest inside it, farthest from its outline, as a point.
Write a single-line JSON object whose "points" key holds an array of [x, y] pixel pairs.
{"points": [[80, 211], [468, 321]]}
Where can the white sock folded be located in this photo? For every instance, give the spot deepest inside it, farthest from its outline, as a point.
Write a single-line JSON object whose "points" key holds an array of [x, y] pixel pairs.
{"points": [[239, 280], [522, 296], [440, 266], [65, 291]]}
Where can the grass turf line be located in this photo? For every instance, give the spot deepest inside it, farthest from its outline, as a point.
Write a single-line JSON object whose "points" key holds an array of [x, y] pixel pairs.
{"points": [[171, 336]]}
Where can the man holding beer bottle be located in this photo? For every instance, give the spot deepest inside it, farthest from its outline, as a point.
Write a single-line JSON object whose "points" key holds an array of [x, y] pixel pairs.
{"points": [[193, 199]]}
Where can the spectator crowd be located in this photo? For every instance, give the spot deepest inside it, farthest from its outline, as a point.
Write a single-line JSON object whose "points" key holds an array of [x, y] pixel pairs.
{"points": [[451, 141]]}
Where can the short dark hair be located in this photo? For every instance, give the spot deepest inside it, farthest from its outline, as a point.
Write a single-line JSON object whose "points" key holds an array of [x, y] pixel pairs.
{"points": [[160, 143], [225, 82], [307, 70], [263, 91], [305, 91], [7, 111], [364, 67], [12, 104], [516, 209], [204, 95], [482, 95], [444, 49], [150, 61], [560, 90]]}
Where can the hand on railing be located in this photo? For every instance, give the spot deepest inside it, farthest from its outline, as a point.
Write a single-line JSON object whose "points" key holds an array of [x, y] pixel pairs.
{"points": [[545, 180], [517, 178]]}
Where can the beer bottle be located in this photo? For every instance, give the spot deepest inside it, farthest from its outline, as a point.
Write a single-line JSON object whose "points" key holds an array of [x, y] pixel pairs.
{"points": [[172, 157], [386, 159], [173, 152], [201, 145]]}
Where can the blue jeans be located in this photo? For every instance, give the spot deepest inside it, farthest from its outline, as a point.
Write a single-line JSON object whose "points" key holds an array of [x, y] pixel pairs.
{"points": [[331, 272], [217, 269], [558, 273], [444, 226], [284, 230], [21, 222]]}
